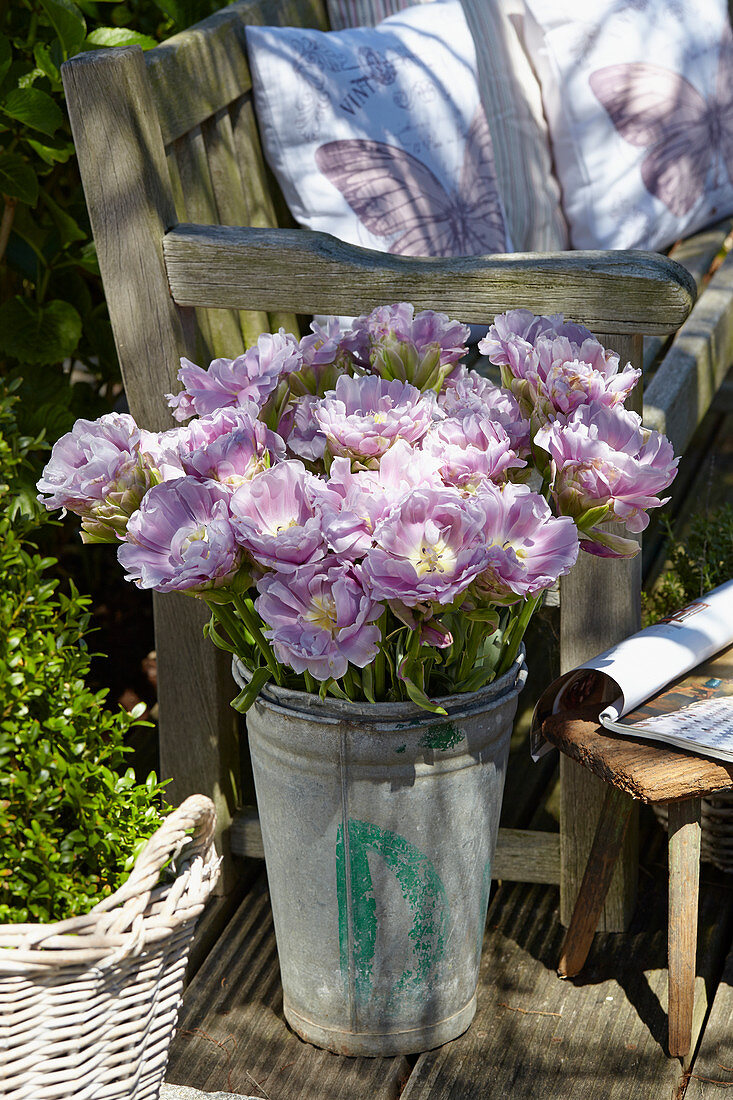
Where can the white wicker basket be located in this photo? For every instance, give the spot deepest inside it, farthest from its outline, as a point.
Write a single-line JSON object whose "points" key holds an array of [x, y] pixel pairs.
{"points": [[88, 1005]]}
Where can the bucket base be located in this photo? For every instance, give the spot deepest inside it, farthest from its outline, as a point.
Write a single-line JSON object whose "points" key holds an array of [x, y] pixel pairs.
{"points": [[381, 1044]]}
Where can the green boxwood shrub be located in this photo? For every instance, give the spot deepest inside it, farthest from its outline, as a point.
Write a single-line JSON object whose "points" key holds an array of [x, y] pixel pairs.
{"points": [[72, 816]]}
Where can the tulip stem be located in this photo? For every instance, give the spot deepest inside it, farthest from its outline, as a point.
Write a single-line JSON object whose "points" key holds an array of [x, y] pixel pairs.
{"points": [[228, 620], [476, 633], [348, 681], [514, 636], [379, 661], [250, 619]]}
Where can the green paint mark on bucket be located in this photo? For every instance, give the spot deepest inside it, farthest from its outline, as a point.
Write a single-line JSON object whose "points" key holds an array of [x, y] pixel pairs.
{"points": [[422, 890], [401, 748], [443, 736]]}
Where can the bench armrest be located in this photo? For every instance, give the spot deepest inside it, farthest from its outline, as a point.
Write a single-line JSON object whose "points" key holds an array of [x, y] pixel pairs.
{"points": [[297, 269]]}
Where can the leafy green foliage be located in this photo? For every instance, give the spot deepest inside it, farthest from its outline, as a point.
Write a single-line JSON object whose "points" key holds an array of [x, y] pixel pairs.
{"points": [[72, 817], [697, 563], [53, 313]]}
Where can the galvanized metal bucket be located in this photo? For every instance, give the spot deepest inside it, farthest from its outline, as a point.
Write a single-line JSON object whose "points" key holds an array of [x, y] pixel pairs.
{"points": [[379, 823]]}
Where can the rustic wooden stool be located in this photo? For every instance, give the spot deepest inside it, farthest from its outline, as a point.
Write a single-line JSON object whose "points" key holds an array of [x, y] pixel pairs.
{"points": [[655, 773]]}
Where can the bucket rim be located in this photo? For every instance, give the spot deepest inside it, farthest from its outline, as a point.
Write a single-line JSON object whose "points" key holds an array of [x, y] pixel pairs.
{"points": [[456, 705]]}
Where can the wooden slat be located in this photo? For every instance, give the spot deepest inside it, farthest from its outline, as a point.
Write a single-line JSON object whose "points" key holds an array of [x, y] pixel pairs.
{"points": [[522, 855], [199, 743], [217, 914], [603, 1035], [179, 200], [527, 855], [231, 202], [127, 188], [219, 329], [696, 253], [684, 386], [232, 1036], [600, 604], [212, 57], [315, 273], [262, 211], [246, 834]]}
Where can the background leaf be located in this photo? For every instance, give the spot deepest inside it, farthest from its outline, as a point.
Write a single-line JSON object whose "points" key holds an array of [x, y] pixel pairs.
{"points": [[6, 56], [52, 152], [119, 36], [68, 229], [33, 108], [17, 179], [68, 22], [44, 61], [38, 334]]}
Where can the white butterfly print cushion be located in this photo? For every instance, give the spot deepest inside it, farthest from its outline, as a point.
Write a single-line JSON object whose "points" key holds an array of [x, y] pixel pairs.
{"points": [[638, 96], [377, 134]]}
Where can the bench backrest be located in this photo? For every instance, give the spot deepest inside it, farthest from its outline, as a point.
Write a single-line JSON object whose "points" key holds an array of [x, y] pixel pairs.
{"points": [[165, 137], [171, 137]]}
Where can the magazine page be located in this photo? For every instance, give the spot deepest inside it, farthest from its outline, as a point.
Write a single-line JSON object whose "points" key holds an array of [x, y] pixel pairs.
{"points": [[695, 711], [624, 676]]}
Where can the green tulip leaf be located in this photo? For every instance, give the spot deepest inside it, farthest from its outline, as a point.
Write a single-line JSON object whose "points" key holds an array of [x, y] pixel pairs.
{"points": [[17, 179], [33, 108], [247, 695], [38, 334]]}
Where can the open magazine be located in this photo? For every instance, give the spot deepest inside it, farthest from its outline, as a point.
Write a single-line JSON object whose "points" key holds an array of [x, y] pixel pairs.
{"points": [[672, 682]]}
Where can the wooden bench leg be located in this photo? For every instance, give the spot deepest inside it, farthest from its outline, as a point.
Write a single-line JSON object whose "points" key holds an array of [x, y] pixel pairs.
{"points": [[684, 883], [609, 838], [199, 747]]}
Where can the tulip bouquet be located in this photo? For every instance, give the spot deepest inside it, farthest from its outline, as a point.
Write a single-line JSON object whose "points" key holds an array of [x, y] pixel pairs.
{"points": [[363, 515]]}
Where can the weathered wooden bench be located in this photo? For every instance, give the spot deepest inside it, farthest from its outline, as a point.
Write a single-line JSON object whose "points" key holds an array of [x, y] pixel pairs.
{"points": [[185, 216]]}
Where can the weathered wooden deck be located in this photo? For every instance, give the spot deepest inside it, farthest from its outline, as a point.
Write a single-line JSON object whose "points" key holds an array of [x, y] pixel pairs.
{"points": [[534, 1035]]}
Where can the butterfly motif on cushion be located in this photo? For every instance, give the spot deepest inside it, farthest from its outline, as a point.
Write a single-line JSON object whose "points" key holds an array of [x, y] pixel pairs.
{"points": [[395, 195], [685, 134]]}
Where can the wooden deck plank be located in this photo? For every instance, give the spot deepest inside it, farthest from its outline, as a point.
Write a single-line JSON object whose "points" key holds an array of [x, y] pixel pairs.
{"points": [[232, 1034], [218, 913], [609, 1037], [605, 1033], [713, 1067]]}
